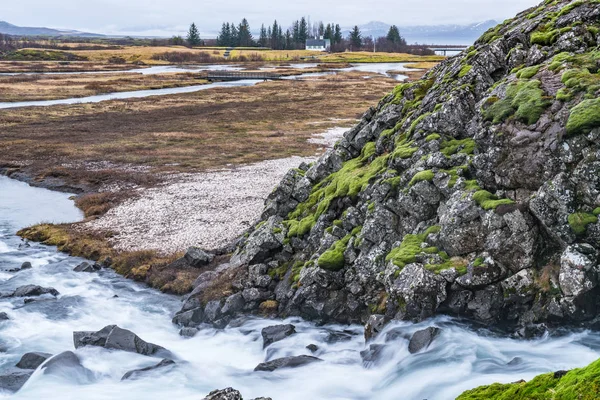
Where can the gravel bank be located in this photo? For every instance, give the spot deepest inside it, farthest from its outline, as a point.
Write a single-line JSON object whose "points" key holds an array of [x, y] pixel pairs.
{"points": [[208, 210]]}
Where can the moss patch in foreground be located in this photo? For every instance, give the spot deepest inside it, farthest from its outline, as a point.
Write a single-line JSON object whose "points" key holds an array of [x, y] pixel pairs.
{"points": [[579, 384], [579, 222], [584, 117], [333, 259], [524, 99], [488, 201], [407, 252]]}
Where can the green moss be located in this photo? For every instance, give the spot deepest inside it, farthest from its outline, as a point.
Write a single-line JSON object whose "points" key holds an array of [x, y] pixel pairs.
{"points": [[544, 38], [432, 137], [407, 252], [580, 220], [404, 149], [472, 185], [416, 122], [422, 176], [488, 201], [478, 262], [464, 146], [584, 117], [564, 95], [465, 70], [349, 181], [579, 384], [529, 72], [333, 259], [596, 212], [524, 99], [338, 223]]}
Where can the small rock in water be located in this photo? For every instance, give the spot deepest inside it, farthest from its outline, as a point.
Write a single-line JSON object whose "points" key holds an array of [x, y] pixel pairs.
{"points": [[87, 267], [515, 361], [90, 338], [4, 316], [26, 265], [422, 339], [275, 333], [137, 373], [12, 381], [372, 354], [373, 326], [188, 332], [224, 394], [67, 365], [32, 360], [197, 257], [286, 362], [189, 318], [313, 348]]}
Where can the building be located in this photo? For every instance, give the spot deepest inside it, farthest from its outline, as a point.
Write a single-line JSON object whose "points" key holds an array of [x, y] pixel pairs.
{"points": [[318, 44]]}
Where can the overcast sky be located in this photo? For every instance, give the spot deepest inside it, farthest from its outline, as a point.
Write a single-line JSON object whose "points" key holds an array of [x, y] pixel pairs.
{"points": [[166, 17]]}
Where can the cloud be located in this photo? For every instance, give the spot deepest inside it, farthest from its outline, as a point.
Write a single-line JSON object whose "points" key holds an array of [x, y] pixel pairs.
{"points": [[169, 17]]}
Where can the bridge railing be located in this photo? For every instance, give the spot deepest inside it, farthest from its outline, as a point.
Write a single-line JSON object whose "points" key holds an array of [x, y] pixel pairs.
{"points": [[240, 75]]}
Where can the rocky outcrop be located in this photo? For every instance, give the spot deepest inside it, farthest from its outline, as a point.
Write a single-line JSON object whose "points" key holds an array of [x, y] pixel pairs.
{"points": [[12, 381], [472, 192], [32, 360], [31, 290]]}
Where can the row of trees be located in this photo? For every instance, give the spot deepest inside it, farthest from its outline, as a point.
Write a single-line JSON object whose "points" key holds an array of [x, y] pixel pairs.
{"points": [[294, 37]]}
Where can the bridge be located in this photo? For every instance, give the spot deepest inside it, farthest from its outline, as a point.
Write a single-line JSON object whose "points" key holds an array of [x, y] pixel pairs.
{"points": [[444, 49], [238, 76]]}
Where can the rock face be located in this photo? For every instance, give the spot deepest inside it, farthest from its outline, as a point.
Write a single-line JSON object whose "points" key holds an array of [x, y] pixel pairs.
{"points": [[286, 362], [115, 338], [14, 380], [474, 191], [138, 373]]}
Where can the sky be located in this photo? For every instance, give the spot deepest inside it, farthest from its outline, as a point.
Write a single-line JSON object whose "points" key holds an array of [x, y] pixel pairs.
{"points": [[169, 17]]}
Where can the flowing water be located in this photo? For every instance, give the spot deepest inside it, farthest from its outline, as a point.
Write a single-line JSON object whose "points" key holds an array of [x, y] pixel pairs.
{"points": [[461, 357]]}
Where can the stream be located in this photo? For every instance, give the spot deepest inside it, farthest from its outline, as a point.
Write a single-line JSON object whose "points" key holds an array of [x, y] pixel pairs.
{"points": [[376, 68], [461, 358]]}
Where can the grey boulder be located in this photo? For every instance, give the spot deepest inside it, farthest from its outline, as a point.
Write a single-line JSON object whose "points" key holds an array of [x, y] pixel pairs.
{"points": [[197, 257], [286, 362], [87, 267], [32, 360], [224, 394], [421, 340], [4, 316], [138, 373], [13, 380], [32, 290], [275, 333], [68, 366], [115, 338]]}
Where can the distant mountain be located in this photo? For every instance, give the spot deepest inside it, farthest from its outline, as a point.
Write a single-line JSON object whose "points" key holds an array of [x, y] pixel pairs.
{"points": [[430, 34], [11, 29]]}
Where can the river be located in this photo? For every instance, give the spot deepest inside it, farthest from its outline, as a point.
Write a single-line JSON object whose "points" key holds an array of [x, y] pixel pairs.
{"points": [[461, 357], [376, 68]]}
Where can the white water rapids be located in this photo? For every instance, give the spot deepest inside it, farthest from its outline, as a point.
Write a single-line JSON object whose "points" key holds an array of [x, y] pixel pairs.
{"points": [[461, 357]]}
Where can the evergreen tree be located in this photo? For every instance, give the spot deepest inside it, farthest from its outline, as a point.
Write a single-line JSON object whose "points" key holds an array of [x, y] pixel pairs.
{"points": [[321, 29], [244, 35], [262, 39], [280, 39], [394, 35], [234, 37], [296, 33], [337, 35], [289, 41], [193, 36], [303, 31], [275, 36], [176, 41], [355, 39], [328, 34]]}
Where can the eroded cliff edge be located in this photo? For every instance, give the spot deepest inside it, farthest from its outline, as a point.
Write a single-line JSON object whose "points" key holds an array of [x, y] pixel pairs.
{"points": [[474, 192]]}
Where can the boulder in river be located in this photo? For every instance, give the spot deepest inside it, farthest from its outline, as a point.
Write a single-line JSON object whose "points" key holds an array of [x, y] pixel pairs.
{"points": [[286, 362], [4, 316], [189, 318], [13, 380], [197, 257], [24, 266], [32, 360], [188, 332], [137, 373], [68, 366], [113, 337], [224, 394], [32, 290], [275, 333], [374, 325], [372, 354], [87, 267], [422, 339]]}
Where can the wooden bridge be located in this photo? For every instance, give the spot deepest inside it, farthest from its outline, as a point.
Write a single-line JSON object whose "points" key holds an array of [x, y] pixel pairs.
{"points": [[444, 49], [238, 76]]}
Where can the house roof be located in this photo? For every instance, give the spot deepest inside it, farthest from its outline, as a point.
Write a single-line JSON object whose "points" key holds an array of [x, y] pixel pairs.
{"points": [[318, 42]]}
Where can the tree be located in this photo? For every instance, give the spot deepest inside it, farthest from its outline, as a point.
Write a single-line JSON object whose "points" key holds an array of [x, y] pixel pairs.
{"points": [[303, 31], [394, 35], [328, 33], [275, 36], [321, 31], [193, 36], [337, 35], [244, 35], [176, 41], [263, 40], [235, 39], [355, 38]]}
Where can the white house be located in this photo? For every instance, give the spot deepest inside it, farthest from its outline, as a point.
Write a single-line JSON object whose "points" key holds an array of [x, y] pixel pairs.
{"points": [[318, 44]]}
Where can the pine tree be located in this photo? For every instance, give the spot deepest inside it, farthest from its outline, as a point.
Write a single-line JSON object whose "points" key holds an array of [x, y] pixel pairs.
{"points": [[302, 31], [321, 29], [244, 35], [193, 36], [337, 36], [262, 39], [394, 35], [234, 37], [328, 33], [275, 36], [289, 41], [355, 39]]}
